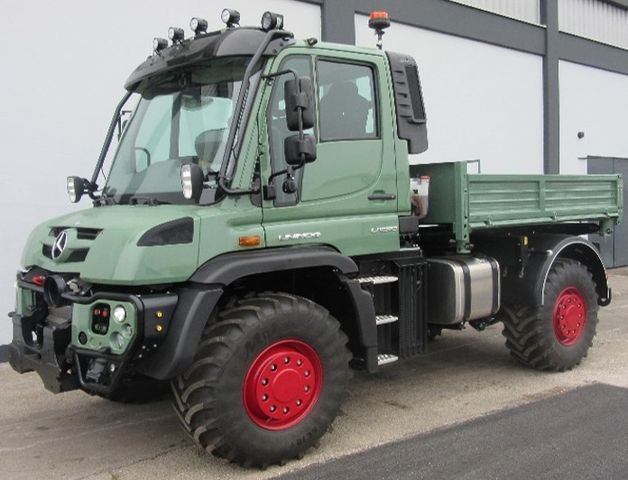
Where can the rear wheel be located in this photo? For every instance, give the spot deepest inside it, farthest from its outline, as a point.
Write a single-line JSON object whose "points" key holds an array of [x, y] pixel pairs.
{"points": [[557, 335], [267, 381]]}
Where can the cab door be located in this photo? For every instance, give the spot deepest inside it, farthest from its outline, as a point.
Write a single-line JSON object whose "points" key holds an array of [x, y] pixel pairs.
{"points": [[347, 198]]}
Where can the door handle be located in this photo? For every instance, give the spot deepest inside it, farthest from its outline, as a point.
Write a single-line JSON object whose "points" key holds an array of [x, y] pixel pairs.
{"points": [[382, 196]]}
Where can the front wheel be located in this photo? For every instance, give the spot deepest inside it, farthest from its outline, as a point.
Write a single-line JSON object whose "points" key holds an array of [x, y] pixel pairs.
{"points": [[557, 335], [267, 381]]}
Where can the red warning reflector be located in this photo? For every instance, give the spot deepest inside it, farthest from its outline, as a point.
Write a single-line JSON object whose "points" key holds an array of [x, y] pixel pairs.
{"points": [[39, 280]]}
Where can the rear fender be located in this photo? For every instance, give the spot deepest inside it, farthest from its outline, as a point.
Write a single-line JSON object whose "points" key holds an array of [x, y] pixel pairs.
{"points": [[545, 250]]}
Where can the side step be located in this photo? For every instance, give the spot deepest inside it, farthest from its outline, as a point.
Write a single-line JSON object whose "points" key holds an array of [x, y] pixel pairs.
{"points": [[386, 358], [378, 280], [384, 319]]}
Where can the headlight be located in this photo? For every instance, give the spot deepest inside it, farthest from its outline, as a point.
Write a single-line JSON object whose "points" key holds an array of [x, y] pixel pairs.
{"points": [[271, 20], [159, 44], [119, 314], [127, 330], [230, 17], [117, 340], [176, 34], [76, 188], [198, 25]]}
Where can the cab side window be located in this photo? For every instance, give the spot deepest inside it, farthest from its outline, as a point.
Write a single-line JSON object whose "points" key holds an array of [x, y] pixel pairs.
{"points": [[346, 101], [278, 129]]}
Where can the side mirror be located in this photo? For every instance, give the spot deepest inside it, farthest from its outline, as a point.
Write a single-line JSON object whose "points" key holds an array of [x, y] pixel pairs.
{"points": [[192, 181], [77, 186], [299, 98], [299, 151]]}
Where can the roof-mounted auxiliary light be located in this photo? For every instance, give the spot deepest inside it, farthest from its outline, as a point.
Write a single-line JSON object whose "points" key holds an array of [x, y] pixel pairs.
{"points": [[272, 21], [159, 44], [379, 21], [176, 34], [230, 17], [198, 25]]}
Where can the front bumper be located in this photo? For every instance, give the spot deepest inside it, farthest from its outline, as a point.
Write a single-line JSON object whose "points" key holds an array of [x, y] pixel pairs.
{"points": [[42, 352], [43, 340]]}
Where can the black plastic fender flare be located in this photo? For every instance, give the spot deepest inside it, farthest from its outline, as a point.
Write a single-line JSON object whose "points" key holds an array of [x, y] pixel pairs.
{"points": [[229, 267], [199, 297], [544, 251]]}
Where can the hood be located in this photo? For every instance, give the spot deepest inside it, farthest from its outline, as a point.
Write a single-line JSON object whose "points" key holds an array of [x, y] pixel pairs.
{"points": [[119, 244]]}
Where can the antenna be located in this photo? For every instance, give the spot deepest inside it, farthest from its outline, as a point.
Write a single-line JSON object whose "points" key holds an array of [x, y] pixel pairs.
{"points": [[379, 21]]}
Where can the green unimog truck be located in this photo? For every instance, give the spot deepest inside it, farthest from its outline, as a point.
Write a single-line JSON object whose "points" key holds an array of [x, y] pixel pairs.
{"points": [[260, 232]]}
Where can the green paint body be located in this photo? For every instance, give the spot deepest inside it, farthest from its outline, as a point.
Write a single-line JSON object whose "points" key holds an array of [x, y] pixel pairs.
{"points": [[472, 202]]}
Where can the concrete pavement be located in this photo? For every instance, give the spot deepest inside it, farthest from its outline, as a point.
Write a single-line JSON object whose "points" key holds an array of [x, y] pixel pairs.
{"points": [[467, 375]]}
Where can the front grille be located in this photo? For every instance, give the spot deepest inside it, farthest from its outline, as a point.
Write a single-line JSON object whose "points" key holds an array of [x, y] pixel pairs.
{"points": [[78, 255], [81, 233]]}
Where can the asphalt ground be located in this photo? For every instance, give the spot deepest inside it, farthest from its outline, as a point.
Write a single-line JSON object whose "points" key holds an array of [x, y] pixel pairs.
{"points": [[456, 407], [537, 440]]}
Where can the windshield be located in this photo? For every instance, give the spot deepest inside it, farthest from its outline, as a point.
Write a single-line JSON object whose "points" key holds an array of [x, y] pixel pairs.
{"points": [[182, 117]]}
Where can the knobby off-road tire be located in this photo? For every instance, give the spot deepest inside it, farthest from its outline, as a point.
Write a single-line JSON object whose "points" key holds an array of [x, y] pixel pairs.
{"points": [[267, 381], [557, 335]]}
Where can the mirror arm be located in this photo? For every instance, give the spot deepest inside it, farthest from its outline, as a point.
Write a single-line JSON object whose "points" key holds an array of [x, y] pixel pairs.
{"points": [[270, 76], [289, 172], [222, 178], [108, 137]]}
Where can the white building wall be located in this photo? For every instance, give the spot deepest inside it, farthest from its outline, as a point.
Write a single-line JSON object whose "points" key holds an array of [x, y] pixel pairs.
{"points": [[526, 10], [483, 102], [594, 19], [65, 63], [595, 102]]}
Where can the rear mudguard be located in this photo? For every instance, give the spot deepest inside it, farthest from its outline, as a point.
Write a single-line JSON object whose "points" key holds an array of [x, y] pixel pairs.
{"points": [[544, 251]]}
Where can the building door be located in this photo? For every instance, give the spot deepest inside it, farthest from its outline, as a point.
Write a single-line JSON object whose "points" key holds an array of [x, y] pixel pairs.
{"points": [[614, 249]]}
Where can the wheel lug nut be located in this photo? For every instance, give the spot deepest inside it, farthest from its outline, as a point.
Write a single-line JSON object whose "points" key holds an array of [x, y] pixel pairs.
{"points": [[286, 360], [306, 373], [299, 402], [286, 409], [273, 408], [265, 381], [264, 397], [307, 388], [273, 367], [299, 362]]}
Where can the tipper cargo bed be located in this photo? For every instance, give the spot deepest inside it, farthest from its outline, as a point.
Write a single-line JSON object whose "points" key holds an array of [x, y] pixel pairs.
{"points": [[472, 201]]}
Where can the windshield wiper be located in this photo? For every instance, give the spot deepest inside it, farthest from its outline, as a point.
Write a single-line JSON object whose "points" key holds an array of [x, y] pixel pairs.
{"points": [[151, 201], [104, 199]]}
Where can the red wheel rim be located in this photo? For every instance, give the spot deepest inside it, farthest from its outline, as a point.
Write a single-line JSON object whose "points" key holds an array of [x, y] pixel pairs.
{"points": [[282, 384], [570, 316]]}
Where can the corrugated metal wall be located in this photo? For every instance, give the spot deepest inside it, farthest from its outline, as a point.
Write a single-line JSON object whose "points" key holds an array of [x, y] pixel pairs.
{"points": [[526, 10], [594, 19]]}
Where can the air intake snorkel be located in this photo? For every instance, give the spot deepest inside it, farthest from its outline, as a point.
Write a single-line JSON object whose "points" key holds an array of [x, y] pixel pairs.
{"points": [[223, 179]]}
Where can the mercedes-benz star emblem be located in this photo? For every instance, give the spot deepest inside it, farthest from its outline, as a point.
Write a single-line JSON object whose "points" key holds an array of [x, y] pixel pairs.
{"points": [[59, 245]]}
